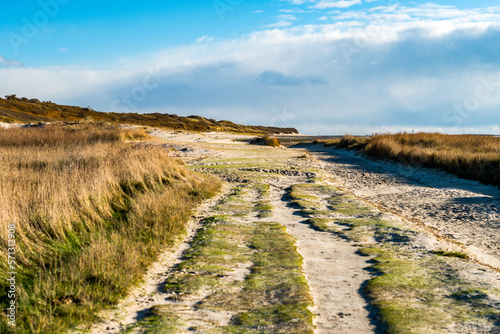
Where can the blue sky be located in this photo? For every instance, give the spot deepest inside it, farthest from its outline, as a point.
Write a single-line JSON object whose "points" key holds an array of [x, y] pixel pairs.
{"points": [[349, 66]]}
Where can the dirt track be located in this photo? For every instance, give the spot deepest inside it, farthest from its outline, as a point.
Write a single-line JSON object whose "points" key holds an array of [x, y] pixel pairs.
{"points": [[455, 213]]}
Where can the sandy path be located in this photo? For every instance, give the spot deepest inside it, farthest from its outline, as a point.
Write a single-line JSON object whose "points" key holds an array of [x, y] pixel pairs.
{"points": [[463, 211], [335, 272]]}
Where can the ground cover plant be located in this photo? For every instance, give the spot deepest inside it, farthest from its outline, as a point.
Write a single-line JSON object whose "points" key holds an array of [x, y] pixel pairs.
{"points": [[92, 208]]}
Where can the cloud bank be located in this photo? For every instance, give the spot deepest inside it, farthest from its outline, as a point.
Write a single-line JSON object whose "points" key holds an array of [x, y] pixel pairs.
{"points": [[387, 68]]}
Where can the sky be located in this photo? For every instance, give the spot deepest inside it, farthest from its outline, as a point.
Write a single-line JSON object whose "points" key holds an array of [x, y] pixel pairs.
{"points": [[324, 67]]}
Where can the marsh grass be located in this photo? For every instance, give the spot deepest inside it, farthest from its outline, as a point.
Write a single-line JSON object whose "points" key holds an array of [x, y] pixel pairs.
{"points": [[266, 140], [468, 156], [91, 211]]}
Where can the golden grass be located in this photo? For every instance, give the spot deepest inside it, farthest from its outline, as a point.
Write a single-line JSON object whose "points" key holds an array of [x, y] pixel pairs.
{"points": [[266, 140], [91, 212], [61, 136], [468, 156]]}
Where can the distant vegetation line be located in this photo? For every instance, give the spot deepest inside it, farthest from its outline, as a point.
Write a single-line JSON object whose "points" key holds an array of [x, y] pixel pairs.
{"points": [[24, 110], [92, 209], [468, 156]]}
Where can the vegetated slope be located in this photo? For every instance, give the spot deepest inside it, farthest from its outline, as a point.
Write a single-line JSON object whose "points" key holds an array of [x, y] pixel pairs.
{"points": [[472, 157], [89, 212], [13, 109]]}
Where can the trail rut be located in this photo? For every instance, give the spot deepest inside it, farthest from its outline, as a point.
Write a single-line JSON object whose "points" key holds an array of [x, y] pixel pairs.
{"points": [[336, 273]]}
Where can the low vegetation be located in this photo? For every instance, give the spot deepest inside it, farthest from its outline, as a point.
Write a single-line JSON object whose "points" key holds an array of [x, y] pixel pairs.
{"points": [[92, 208], [24, 110], [266, 140], [467, 156]]}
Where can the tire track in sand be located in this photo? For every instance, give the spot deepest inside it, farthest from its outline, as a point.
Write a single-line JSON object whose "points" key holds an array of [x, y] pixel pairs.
{"points": [[336, 273]]}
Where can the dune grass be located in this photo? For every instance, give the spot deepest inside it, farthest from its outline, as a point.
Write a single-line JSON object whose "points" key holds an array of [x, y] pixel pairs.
{"points": [[91, 209], [23, 110], [467, 156], [267, 141]]}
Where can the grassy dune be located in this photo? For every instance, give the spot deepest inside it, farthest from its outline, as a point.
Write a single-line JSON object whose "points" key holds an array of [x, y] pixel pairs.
{"points": [[468, 156], [23, 110], [92, 208]]}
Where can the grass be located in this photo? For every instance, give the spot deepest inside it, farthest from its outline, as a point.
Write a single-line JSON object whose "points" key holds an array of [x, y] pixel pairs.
{"points": [[320, 224], [467, 156], [266, 140], [426, 294], [276, 292], [407, 294], [348, 206], [459, 255], [264, 208], [21, 110], [160, 321], [89, 199], [235, 204]]}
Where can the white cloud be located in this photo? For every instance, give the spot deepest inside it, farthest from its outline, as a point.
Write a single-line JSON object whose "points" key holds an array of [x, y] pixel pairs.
{"points": [[390, 68], [280, 24], [326, 4], [9, 62], [204, 39]]}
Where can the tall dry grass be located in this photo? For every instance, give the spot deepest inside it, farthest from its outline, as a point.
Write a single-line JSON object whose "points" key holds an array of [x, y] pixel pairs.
{"points": [[266, 140], [91, 213], [468, 156]]}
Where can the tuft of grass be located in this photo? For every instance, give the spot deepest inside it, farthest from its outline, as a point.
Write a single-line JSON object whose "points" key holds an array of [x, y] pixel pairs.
{"points": [[347, 142], [459, 255], [235, 204], [264, 208], [348, 206], [160, 320], [320, 224], [86, 199], [266, 140]]}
